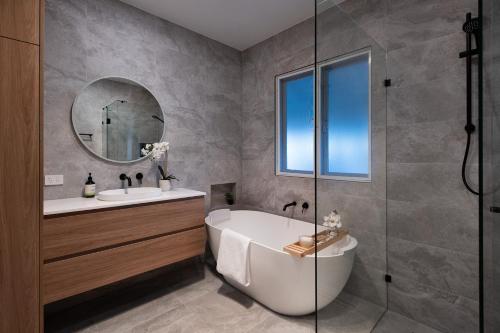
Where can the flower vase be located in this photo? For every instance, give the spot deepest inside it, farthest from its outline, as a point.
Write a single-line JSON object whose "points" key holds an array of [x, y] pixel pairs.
{"points": [[165, 185]]}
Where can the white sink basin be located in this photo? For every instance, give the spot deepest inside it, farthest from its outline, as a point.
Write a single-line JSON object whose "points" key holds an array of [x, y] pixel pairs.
{"points": [[133, 193]]}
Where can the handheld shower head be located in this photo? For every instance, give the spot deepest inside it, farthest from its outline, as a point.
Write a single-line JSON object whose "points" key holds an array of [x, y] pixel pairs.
{"points": [[471, 26]]}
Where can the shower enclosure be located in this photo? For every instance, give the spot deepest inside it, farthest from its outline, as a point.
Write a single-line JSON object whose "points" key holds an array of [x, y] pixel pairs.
{"points": [[391, 105]]}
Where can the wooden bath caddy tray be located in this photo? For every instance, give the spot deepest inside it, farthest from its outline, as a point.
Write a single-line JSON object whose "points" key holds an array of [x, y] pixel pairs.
{"points": [[321, 242]]}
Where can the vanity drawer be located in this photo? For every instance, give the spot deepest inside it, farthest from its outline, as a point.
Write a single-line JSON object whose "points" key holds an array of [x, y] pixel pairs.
{"points": [[72, 276], [80, 233]]}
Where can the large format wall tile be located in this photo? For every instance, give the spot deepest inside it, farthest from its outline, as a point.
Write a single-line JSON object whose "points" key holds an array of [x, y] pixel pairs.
{"points": [[432, 219], [429, 142], [446, 312], [450, 271], [438, 183], [197, 82], [440, 99], [362, 205], [65, 35], [445, 226]]}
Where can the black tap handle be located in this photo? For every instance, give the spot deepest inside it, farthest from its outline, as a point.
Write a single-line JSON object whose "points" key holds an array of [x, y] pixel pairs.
{"points": [[139, 176], [123, 176], [305, 206]]}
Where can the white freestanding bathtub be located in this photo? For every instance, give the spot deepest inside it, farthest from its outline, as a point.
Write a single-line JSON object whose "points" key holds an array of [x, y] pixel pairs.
{"points": [[280, 281]]}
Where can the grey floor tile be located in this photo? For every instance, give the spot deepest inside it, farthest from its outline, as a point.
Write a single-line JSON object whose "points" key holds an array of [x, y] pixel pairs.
{"points": [[195, 299], [279, 324], [349, 314], [393, 322]]}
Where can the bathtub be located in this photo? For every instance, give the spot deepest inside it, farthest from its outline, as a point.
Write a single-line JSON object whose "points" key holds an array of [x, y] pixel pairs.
{"points": [[280, 281]]}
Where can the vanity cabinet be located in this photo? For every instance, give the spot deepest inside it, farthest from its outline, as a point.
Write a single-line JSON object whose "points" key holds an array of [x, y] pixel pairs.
{"points": [[86, 250]]}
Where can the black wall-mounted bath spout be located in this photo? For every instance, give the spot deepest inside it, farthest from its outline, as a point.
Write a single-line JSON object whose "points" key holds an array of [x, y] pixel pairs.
{"points": [[291, 204]]}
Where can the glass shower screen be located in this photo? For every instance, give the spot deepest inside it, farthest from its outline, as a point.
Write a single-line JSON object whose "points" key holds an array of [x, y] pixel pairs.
{"points": [[350, 173]]}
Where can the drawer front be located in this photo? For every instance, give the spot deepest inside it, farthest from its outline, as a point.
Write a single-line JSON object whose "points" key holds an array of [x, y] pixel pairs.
{"points": [[82, 232], [73, 276]]}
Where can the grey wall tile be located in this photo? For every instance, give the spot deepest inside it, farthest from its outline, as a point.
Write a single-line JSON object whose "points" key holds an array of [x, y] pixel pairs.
{"points": [[444, 225], [91, 39], [428, 142], [446, 312], [368, 283], [413, 21], [438, 183], [362, 204], [424, 102], [427, 61], [66, 33], [450, 271]]}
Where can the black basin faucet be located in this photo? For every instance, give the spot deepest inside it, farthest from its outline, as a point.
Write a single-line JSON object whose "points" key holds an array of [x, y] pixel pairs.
{"points": [[291, 204], [126, 185]]}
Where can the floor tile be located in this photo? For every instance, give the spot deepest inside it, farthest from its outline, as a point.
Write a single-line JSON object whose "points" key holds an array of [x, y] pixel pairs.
{"points": [[396, 323], [197, 299]]}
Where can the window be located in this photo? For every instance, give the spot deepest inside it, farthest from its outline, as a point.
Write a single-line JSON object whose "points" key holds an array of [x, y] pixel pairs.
{"points": [[344, 106], [344, 133], [295, 123]]}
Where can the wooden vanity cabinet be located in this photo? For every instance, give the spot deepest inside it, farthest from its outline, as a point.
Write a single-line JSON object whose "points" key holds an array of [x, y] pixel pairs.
{"points": [[86, 250]]}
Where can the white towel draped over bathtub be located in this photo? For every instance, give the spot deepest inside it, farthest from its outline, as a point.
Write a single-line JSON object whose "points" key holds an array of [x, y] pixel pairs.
{"points": [[234, 258]]}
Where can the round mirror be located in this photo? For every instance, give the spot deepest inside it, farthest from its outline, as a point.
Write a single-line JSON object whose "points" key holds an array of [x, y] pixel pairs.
{"points": [[115, 118]]}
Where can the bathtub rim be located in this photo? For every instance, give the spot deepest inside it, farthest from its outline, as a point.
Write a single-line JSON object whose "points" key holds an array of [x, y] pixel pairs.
{"points": [[351, 246]]}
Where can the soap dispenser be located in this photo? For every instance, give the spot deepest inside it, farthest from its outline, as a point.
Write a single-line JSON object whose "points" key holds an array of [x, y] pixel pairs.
{"points": [[89, 190]]}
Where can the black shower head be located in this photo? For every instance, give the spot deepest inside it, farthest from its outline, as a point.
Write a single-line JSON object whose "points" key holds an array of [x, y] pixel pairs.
{"points": [[471, 25]]}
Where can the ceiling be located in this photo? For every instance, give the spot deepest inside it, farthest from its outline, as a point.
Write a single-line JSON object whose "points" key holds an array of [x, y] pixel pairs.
{"points": [[237, 23]]}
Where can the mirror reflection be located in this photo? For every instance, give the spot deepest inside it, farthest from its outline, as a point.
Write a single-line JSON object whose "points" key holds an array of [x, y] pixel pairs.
{"points": [[115, 118]]}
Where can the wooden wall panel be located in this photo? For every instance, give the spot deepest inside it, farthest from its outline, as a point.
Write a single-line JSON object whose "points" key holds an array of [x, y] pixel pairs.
{"points": [[19, 185], [80, 232], [72, 276], [19, 19]]}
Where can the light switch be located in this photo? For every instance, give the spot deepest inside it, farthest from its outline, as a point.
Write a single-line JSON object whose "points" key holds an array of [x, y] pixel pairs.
{"points": [[51, 180]]}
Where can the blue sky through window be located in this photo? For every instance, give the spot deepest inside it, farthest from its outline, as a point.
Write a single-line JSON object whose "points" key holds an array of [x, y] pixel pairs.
{"points": [[345, 92], [298, 126]]}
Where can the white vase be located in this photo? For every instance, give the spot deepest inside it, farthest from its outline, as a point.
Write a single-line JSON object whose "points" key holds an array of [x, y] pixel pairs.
{"points": [[165, 185]]}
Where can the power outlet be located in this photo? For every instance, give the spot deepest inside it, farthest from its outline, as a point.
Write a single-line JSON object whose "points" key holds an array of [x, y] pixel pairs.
{"points": [[51, 180]]}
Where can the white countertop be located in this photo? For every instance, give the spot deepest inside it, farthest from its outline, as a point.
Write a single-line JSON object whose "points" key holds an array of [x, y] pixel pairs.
{"points": [[61, 206]]}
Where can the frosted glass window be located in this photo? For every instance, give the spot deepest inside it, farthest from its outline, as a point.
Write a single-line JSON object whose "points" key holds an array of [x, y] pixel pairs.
{"points": [[345, 117], [295, 125]]}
